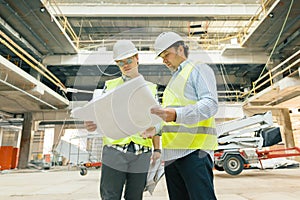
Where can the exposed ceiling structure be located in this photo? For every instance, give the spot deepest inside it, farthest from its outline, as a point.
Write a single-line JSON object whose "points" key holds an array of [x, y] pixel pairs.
{"points": [[100, 24], [243, 39]]}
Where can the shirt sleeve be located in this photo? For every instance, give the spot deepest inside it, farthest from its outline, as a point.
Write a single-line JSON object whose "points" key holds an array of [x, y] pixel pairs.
{"points": [[200, 87], [158, 129]]}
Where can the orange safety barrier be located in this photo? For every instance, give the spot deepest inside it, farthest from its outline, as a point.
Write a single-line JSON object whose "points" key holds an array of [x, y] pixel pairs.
{"points": [[15, 158], [6, 154]]}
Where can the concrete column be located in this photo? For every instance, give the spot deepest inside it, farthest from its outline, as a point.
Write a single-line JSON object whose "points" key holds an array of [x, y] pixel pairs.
{"points": [[27, 135], [19, 139], [59, 131], [1, 131], [287, 128]]}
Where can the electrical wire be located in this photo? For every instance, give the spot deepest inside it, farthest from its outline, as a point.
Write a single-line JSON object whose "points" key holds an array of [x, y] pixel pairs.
{"points": [[106, 74], [277, 40], [275, 45], [226, 75], [224, 80]]}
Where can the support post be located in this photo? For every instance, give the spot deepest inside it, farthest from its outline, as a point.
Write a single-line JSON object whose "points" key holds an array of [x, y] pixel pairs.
{"points": [[287, 126], [25, 141]]}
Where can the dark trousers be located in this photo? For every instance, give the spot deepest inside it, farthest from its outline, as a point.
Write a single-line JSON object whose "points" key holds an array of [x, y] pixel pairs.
{"points": [[119, 169], [190, 177]]}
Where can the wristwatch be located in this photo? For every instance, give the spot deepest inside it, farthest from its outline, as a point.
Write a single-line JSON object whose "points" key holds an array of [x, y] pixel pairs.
{"points": [[157, 150]]}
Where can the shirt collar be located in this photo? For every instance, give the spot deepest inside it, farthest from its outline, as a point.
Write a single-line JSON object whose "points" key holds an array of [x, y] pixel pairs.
{"points": [[181, 66], [125, 78]]}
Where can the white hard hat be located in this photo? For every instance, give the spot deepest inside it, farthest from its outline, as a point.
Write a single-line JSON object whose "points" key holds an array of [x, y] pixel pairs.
{"points": [[164, 41], [124, 49]]}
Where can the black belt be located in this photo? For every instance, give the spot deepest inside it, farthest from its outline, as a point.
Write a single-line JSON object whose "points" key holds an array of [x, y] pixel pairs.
{"points": [[130, 147]]}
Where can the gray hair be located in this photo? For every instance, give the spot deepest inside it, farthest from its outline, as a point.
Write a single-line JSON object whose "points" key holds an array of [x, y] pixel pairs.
{"points": [[185, 47]]}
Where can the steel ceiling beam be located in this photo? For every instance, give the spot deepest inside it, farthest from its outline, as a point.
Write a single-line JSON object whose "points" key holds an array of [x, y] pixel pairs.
{"points": [[147, 58], [163, 10]]}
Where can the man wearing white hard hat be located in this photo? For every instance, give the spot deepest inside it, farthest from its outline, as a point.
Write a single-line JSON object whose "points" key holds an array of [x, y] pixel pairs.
{"points": [[125, 161], [188, 133]]}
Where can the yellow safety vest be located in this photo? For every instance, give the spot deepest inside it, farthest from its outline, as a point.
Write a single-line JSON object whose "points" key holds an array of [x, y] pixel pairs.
{"points": [[201, 135], [137, 139]]}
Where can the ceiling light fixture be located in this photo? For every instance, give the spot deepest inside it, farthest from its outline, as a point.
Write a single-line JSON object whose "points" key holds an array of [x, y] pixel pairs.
{"points": [[198, 32], [195, 26], [42, 9]]}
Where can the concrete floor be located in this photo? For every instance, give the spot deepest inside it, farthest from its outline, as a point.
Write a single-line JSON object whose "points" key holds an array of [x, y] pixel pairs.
{"points": [[254, 184]]}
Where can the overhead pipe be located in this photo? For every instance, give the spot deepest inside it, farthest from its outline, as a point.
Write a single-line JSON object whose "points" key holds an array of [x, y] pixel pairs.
{"points": [[18, 37], [32, 58], [62, 87]]}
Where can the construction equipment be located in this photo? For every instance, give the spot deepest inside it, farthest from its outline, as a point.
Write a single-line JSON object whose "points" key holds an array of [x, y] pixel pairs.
{"points": [[86, 165], [241, 142]]}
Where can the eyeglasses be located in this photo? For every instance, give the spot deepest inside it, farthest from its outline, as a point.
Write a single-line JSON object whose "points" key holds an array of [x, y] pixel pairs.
{"points": [[127, 61]]}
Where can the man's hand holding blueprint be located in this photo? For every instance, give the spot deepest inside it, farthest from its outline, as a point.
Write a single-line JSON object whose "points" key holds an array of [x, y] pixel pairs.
{"points": [[121, 112]]}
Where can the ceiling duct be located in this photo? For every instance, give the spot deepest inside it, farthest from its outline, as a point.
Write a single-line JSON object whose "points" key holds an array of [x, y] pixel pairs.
{"points": [[198, 32], [195, 26]]}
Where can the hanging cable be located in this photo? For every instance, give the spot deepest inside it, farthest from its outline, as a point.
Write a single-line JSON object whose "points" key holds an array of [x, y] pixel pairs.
{"points": [[271, 54], [223, 73], [223, 77], [226, 75], [106, 74], [276, 43]]}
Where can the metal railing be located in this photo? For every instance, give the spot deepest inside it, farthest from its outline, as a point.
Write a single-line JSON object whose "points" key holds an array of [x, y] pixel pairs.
{"points": [[64, 22], [267, 79], [262, 11]]}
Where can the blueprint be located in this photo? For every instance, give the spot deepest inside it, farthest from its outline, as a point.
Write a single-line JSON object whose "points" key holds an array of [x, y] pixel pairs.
{"points": [[155, 173], [121, 112]]}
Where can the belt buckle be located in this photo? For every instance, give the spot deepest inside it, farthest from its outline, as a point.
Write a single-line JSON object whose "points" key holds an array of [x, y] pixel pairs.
{"points": [[130, 147]]}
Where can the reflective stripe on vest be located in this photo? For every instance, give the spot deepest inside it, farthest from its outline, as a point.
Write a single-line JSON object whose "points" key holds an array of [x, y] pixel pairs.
{"points": [[112, 84], [137, 139], [201, 135]]}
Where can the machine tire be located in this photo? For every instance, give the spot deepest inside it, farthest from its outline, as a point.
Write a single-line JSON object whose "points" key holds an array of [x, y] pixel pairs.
{"points": [[83, 171], [233, 164], [219, 168]]}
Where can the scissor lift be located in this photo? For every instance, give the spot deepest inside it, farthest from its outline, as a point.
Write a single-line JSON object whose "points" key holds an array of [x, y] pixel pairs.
{"points": [[241, 141]]}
